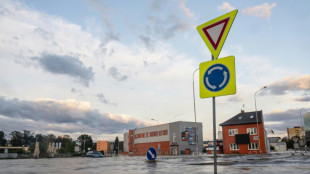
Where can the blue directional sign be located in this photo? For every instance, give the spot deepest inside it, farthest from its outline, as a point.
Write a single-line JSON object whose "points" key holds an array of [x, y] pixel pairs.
{"points": [[151, 153], [217, 77]]}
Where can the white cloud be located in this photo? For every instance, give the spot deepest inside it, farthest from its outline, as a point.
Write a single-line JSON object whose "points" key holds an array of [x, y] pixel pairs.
{"points": [[226, 7], [262, 11], [156, 79], [185, 9]]}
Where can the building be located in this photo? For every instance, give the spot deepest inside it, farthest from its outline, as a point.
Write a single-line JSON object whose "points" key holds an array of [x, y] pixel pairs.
{"points": [[307, 127], [102, 146], [277, 144], [244, 134], [293, 132], [169, 139]]}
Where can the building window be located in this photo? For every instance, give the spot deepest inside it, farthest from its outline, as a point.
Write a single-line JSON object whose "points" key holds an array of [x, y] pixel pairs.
{"points": [[232, 132], [251, 131], [253, 146], [160, 133], [234, 146]]}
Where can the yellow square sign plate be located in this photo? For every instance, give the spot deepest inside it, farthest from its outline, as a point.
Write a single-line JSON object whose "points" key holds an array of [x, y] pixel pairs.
{"points": [[217, 77]]}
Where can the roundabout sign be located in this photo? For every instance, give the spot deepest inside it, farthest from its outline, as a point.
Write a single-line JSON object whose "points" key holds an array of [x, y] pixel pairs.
{"points": [[217, 77]]}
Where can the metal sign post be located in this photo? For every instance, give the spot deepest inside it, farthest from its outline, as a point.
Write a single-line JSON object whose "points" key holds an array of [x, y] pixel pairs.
{"points": [[217, 77], [214, 133]]}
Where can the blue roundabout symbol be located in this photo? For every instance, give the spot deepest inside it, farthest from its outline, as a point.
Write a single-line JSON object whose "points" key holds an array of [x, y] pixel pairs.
{"points": [[216, 77]]}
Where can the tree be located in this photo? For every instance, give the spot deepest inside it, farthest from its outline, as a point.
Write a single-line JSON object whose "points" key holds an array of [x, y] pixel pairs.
{"points": [[39, 138], [116, 145], [67, 145], [86, 142], [27, 138], [16, 138], [94, 146], [121, 146], [3, 141]]}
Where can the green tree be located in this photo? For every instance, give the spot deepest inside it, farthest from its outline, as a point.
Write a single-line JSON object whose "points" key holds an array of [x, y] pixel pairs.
{"points": [[94, 146], [28, 138], [67, 145], [39, 138], [121, 146], [3, 141], [16, 138], [86, 142], [116, 145]]}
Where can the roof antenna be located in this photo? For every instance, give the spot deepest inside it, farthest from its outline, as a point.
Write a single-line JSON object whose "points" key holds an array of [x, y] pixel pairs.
{"points": [[242, 110]]}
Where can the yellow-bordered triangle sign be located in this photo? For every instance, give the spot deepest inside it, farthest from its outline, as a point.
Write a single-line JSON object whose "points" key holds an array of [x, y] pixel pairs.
{"points": [[214, 32]]}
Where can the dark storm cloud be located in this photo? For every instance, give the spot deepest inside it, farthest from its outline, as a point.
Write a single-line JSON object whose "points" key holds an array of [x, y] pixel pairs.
{"points": [[113, 71], [103, 99], [66, 65], [71, 113], [289, 84]]}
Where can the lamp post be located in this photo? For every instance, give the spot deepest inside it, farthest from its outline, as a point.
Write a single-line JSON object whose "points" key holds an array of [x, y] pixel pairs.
{"points": [[259, 146], [158, 146], [194, 94], [196, 137]]}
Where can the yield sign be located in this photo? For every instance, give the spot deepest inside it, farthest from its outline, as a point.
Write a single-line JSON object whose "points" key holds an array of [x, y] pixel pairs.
{"points": [[214, 32]]}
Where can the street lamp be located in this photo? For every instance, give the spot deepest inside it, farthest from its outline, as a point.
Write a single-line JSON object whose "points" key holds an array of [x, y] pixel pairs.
{"points": [[158, 146], [194, 94], [260, 150]]}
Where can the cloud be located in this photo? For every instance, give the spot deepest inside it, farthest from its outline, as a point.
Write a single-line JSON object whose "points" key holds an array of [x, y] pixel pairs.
{"points": [[280, 120], [185, 9], [147, 41], [262, 11], [235, 98], [173, 22], [166, 28], [156, 4], [66, 65], [66, 112], [226, 7], [103, 99], [113, 71], [289, 84], [303, 99]]}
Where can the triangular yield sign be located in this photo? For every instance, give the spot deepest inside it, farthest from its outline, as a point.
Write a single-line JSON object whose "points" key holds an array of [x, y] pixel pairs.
{"points": [[215, 32]]}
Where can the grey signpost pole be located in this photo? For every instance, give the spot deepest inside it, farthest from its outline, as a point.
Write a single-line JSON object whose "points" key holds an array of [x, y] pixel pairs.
{"points": [[214, 133]]}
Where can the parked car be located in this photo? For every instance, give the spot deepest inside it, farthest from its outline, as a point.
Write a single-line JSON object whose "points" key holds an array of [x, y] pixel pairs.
{"points": [[94, 154]]}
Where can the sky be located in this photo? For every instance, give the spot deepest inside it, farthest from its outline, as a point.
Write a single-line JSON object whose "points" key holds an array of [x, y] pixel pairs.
{"points": [[103, 67]]}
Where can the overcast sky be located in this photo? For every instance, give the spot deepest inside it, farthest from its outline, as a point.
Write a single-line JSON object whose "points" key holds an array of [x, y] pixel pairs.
{"points": [[103, 67]]}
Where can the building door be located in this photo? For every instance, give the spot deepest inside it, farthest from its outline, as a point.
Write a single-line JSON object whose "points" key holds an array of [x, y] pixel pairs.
{"points": [[187, 151]]}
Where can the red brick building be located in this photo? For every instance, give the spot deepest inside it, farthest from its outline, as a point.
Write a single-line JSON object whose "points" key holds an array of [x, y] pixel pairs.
{"points": [[168, 139], [242, 134]]}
